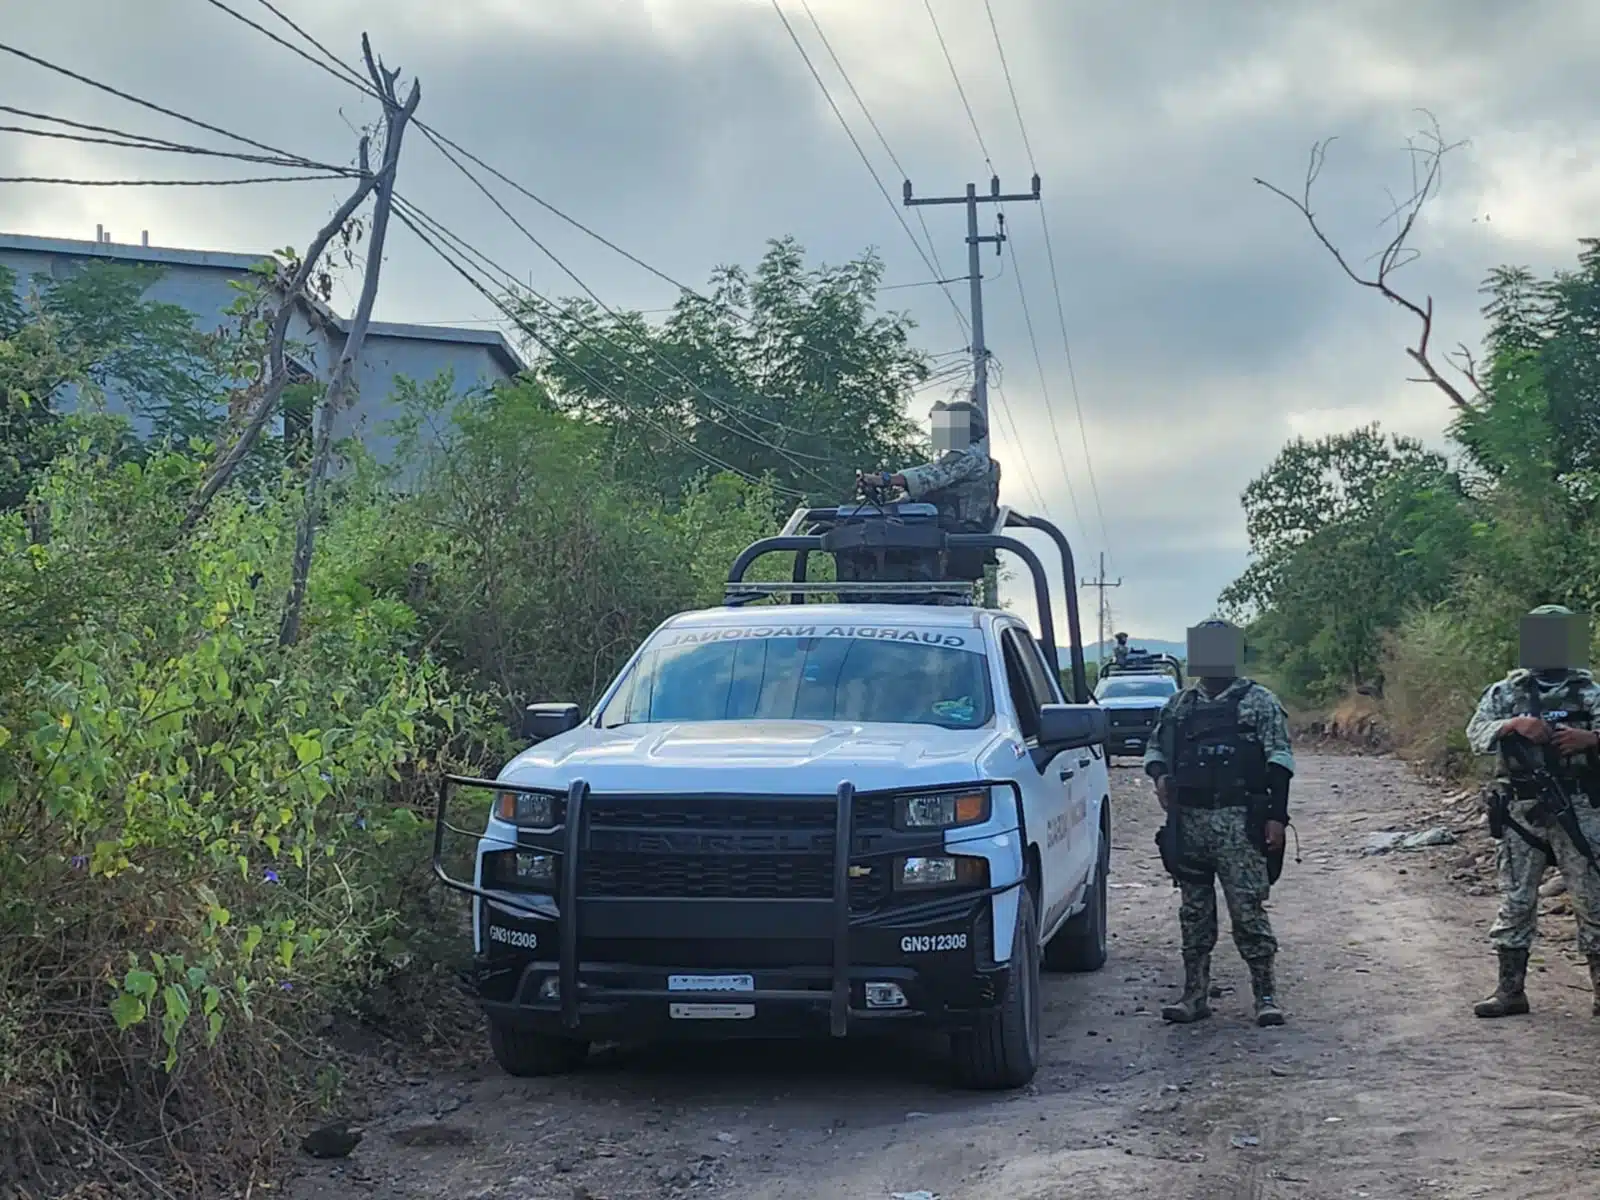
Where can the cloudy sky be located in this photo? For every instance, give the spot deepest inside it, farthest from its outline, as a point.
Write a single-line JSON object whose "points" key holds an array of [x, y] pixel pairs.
{"points": [[1206, 325]]}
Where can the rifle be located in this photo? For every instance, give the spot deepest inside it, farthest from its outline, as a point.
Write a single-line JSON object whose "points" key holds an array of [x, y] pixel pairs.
{"points": [[1530, 762]]}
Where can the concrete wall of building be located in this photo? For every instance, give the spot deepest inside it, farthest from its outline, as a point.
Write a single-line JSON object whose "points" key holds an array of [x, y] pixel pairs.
{"points": [[203, 284]]}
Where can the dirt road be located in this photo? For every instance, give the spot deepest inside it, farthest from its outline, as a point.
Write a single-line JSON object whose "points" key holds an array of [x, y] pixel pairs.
{"points": [[1382, 1084]]}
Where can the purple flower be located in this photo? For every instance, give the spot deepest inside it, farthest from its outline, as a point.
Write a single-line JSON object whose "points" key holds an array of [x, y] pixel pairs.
{"points": [[80, 861], [286, 986], [270, 875]]}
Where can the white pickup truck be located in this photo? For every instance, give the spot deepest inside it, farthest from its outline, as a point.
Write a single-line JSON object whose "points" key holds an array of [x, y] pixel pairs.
{"points": [[798, 820]]}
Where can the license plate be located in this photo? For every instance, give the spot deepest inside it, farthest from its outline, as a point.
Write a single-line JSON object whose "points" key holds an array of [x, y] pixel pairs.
{"points": [[711, 983], [711, 1012]]}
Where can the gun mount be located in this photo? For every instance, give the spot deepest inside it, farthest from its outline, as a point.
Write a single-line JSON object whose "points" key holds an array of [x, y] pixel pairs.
{"points": [[1142, 662], [898, 553]]}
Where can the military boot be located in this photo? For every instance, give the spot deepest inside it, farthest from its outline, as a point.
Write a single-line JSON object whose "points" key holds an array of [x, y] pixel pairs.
{"points": [[1261, 983], [1195, 1003], [1594, 982], [1509, 999]]}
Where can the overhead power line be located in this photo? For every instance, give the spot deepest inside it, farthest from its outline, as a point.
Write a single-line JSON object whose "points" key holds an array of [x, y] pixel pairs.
{"points": [[405, 218], [933, 270], [343, 71], [927, 234], [143, 103], [554, 312], [164, 182], [1044, 386], [960, 90], [1055, 278]]}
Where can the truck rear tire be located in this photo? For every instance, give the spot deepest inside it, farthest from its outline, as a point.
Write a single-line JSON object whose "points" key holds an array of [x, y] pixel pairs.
{"points": [[1002, 1050], [526, 1055], [1081, 944]]}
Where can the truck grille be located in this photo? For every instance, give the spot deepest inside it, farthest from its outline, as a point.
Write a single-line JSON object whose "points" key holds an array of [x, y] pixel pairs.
{"points": [[724, 847], [1132, 718]]}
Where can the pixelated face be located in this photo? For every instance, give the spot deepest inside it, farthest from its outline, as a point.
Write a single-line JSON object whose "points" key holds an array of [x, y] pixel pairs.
{"points": [[1555, 642], [1215, 651], [952, 430]]}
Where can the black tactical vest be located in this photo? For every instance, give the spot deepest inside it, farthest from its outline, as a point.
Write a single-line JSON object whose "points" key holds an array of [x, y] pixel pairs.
{"points": [[1565, 707], [1218, 754]]}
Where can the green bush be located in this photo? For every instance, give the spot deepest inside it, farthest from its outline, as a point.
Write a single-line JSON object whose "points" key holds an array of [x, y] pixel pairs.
{"points": [[212, 844]]}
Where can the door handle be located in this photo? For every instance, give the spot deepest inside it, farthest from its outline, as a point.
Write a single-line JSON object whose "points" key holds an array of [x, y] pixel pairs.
{"points": [[1083, 762], [1066, 773]]}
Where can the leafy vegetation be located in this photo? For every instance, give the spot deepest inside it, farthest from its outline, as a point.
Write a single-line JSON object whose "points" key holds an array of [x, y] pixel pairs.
{"points": [[1380, 565], [211, 845]]}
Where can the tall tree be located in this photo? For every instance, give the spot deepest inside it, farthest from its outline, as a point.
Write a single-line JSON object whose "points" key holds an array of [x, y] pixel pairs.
{"points": [[790, 370]]}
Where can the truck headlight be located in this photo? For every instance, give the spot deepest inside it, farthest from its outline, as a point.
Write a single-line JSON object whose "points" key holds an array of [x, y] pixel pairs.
{"points": [[943, 810], [940, 871], [520, 870], [529, 810]]}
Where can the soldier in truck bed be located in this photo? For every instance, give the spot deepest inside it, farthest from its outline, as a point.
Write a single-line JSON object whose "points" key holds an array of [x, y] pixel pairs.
{"points": [[963, 482]]}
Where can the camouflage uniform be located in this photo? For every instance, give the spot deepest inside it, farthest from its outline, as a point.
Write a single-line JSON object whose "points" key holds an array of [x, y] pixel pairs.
{"points": [[1520, 866], [1219, 841], [963, 484]]}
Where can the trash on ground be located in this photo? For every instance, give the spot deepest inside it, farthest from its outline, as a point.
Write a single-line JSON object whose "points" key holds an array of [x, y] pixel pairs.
{"points": [[1437, 836]]}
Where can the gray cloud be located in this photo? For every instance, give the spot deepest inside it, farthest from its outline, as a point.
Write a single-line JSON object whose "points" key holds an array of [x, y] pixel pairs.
{"points": [[1207, 326]]}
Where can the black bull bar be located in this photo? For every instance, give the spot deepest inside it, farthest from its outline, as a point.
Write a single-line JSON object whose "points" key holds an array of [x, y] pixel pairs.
{"points": [[573, 825]]}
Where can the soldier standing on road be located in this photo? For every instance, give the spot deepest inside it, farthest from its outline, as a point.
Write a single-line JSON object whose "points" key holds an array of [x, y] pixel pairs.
{"points": [[1541, 715], [1221, 761]]}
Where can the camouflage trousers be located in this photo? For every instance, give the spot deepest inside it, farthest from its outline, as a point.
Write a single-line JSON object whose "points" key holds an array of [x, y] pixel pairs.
{"points": [[1521, 868], [1220, 838]]}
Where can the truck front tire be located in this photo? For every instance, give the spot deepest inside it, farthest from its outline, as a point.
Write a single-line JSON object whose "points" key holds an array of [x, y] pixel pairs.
{"points": [[1002, 1050], [526, 1054]]}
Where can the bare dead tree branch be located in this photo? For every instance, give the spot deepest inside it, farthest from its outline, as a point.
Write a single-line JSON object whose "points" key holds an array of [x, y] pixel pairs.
{"points": [[340, 384], [290, 294], [1427, 151]]}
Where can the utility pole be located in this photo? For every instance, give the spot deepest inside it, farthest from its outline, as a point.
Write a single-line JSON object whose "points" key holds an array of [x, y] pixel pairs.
{"points": [[980, 352], [1101, 584]]}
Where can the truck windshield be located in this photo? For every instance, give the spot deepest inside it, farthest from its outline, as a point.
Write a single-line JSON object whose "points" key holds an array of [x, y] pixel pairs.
{"points": [[831, 678], [1125, 685]]}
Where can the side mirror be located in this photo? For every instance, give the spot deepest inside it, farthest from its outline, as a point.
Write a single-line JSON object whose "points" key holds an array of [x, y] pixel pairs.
{"points": [[1072, 726], [543, 721]]}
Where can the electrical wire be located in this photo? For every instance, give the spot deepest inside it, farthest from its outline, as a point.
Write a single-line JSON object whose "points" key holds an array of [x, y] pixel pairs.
{"points": [[351, 76], [887, 149], [555, 351], [1055, 279], [127, 141], [894, 208], [553, 312], [1044, 383], [165, 182], [152, 106], [960, 90], [594, 296]]}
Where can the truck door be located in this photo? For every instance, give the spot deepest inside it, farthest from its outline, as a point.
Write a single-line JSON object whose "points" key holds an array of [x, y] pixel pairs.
{"points": [[1052, 795]]}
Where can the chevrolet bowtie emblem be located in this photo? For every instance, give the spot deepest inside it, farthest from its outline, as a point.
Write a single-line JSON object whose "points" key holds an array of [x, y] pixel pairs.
{"points": [[860, 872]]}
